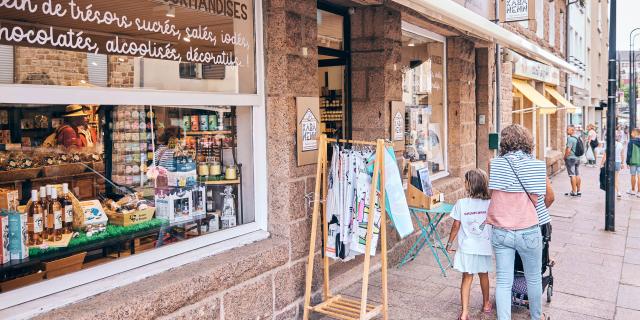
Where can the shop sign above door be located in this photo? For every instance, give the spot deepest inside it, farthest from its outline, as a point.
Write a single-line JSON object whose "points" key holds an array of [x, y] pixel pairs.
{"points": [[534, 70], [517, 10]]}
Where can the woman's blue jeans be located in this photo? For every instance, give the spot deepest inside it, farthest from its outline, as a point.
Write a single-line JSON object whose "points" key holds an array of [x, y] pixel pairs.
{"points": [[528, 243]]}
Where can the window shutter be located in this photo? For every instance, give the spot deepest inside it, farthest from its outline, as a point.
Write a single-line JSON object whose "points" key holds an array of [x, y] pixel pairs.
{"points": [[98, 70], [6, 64]]}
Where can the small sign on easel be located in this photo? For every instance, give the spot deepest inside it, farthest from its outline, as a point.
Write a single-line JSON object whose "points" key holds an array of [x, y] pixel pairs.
{"points": [[397, 125]]}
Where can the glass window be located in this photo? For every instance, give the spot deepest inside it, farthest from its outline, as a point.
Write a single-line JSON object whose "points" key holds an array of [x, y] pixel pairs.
{"points": [[143, 44], [330, 30], [128, 179], [132, 170], [423, 85]]}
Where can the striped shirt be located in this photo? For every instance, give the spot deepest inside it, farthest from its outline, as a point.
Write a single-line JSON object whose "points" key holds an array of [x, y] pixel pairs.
{"points": [[532, 174]]}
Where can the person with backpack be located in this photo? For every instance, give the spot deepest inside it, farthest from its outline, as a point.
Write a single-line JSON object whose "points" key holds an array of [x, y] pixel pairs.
{"points": [[619, 154], [572, 154], [633, 161]]}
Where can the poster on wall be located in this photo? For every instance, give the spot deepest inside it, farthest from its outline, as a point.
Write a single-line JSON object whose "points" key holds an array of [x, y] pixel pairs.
{"points": [[434, 146], [397, 124], [517, 10], [308, 132]]}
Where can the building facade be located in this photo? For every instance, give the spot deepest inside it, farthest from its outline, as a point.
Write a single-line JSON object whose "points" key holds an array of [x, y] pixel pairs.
{"points": [[435, 57]]}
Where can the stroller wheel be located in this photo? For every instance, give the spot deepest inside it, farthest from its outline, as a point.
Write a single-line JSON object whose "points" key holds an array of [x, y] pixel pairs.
{"points": [[549, 293]]}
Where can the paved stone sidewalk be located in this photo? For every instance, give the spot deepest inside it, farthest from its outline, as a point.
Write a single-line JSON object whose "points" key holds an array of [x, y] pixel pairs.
{"points": [[597, 273]]}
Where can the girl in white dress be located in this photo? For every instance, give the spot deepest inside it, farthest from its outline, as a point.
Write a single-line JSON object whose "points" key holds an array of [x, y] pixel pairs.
{"points": [[474, 252]]}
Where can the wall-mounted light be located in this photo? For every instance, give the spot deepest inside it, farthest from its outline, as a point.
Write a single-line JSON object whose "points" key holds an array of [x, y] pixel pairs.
{"points": [[411, 43], [305, 51], [171, 12], [186, 39]]}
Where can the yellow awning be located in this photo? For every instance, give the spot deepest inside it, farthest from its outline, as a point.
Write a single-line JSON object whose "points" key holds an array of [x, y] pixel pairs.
{"points": [[544, 106], [556, 95]]}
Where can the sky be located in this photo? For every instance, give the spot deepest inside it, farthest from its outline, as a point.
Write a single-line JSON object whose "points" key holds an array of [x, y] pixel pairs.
{"points": [[628, 11]]}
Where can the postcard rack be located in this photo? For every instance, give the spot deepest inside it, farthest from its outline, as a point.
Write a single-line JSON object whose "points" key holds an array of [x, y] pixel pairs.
{"points": [[338, 306]]}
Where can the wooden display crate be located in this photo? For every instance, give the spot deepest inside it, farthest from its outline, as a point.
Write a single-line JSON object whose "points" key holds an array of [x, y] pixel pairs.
{"points": [[21, 282], [65, 169], [19, 174], [63, 266], [132, 218]]}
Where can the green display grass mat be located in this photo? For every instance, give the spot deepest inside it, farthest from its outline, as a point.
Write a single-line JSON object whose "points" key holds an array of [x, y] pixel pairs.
{"points": [[112, 231]]}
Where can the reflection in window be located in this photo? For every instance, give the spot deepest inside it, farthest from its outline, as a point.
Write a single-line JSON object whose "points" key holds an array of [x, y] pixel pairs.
{"points": [[423, 95], [143, 50], [136, 178]]}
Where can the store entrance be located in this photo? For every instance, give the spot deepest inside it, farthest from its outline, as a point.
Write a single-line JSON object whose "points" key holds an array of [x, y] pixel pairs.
{"points": [[334, 70]]}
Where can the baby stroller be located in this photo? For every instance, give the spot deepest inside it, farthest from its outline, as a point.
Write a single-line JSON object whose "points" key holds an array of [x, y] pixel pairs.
{"points": [[519, 289]]}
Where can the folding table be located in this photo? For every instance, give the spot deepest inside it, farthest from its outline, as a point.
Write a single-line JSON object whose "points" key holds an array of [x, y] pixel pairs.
{"points": [[434, 216]]}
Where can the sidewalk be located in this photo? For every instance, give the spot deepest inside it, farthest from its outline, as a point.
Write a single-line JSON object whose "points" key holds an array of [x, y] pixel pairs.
{"points": [[597, 273]]}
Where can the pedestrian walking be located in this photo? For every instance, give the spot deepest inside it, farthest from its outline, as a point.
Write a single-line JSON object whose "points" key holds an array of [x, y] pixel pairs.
{"points": [[573, 151], [518, 182], [473, 255], [633, 160], [619, 155], [592, 144]]}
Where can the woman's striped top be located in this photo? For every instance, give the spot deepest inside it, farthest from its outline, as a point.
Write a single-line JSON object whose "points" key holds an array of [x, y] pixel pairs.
{"points": [[532, 174]]}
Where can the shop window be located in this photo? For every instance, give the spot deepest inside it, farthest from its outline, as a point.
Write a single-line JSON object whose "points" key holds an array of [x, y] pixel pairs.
{"points": [[136, 178], [143, 168], [423, 84], [146, 41]]}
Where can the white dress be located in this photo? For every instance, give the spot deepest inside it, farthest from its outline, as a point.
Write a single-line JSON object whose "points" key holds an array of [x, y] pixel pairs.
{"points": [[474, 254]]}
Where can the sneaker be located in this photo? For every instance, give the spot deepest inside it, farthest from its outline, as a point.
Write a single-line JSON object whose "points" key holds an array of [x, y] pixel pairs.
{"points": [[578, 194], [619, 195], [571, 194], [631, 192]]}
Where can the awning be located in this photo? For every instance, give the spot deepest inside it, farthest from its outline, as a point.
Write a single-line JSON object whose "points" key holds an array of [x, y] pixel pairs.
{"points": [[452, 13], [556, 95], [544, 106]]}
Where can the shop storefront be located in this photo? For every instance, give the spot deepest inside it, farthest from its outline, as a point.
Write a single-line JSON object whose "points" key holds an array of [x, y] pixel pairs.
{"points": [[184, 109], [127, 130], [539, 106]]}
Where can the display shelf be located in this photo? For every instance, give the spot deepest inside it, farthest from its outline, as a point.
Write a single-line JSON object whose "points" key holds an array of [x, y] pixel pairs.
{"points": [[220, 182], [204, 133]]}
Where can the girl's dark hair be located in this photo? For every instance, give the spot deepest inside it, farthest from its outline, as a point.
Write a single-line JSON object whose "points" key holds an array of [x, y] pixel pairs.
{"points": [[477, 184], [515, 138]]}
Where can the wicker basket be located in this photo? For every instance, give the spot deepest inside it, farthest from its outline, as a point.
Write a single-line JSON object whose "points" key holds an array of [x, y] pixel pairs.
{"points": [[19, 174], [66, 169]]}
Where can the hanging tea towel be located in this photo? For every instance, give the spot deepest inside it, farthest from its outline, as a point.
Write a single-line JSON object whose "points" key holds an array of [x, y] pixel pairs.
{"points": [[395, 200]]}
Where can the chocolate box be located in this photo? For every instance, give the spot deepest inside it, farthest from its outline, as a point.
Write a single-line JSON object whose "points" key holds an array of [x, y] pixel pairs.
{"points": [[5, 254], [18, 236]]}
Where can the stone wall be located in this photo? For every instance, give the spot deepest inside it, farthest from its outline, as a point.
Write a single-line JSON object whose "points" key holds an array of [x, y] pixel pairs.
{"points": [[506, 94], [121, 72], [50, 66], [375, 45], [461, 100]]}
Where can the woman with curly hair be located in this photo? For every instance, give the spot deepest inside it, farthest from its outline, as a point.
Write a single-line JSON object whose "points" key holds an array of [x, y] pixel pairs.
{"points": [[520, 195]]}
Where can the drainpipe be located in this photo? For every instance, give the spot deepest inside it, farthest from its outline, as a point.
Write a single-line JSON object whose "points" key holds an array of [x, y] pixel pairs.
{"points": [[498, 61]]}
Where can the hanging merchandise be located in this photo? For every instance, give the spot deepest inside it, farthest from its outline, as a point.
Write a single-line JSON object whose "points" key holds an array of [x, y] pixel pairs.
{"points": [[395, 200], [349, 188]]}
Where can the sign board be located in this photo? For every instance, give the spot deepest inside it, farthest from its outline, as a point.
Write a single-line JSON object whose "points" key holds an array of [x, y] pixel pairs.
{"points": [[397, 124], [308, 132], [480, 7], [527, 68], [517, 10]]}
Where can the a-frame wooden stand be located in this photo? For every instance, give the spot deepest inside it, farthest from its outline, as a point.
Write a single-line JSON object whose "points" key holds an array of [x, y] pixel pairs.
{"points": [[337, 306]]}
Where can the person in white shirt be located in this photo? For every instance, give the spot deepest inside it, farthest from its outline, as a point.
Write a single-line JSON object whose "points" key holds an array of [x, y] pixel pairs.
{"points": [[619, 154], [474, 239]]}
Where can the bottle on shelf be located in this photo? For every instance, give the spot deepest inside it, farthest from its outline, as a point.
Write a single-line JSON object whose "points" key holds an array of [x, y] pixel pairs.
{"points": [[67, 207], [35, 220], [55, 210], [209, 198], [47, 218]]}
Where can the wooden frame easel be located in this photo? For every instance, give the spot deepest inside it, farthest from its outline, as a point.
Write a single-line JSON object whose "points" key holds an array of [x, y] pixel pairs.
{"points": [[337, 306]]}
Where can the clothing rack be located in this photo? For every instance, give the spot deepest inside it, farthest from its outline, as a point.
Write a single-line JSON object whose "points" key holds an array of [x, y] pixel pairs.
{"points": [[337, 306]]}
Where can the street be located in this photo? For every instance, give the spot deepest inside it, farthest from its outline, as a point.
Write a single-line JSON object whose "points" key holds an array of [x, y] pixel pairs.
{"points": [[597, 273]]}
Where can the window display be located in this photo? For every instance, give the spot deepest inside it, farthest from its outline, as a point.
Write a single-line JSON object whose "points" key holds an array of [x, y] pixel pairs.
{"points": [[105, 181], [423, 86]]}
